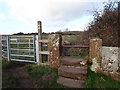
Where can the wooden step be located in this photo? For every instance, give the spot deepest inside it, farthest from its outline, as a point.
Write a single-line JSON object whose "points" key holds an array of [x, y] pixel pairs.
{"points": [[72, 72], [73, 61], [71, 83]]}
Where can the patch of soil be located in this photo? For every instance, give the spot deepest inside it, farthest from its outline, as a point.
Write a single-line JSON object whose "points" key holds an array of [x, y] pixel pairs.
{"points": [[22, 77], [46, 78]]}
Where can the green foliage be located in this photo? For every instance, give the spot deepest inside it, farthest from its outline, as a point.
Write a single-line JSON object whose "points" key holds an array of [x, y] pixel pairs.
{"points": [[44, 36], [37, 73], [100, 81], [73, 39], [8, 81], [87, 57]]}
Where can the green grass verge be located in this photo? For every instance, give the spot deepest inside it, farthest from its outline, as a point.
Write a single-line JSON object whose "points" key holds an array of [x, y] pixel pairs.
{"points": [[71, 38], [43, 76], [8, 81], [100, 81]]}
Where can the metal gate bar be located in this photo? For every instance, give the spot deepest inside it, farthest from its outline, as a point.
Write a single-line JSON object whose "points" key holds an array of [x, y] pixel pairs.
{"points": [[20, 48]]}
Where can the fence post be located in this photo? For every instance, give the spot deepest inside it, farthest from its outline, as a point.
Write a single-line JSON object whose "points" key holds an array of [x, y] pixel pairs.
{"points": [[34, 46], [1, 62], [54, 50], [37, 50], [95, 53], [0, 47], [39, 25], [8, 47]]}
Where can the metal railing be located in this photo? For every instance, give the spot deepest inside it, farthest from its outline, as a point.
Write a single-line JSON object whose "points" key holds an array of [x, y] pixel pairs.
{"points": [[20, 48]]}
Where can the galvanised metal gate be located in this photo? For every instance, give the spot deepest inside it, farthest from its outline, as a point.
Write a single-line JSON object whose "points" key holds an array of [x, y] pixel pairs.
{"points": [[20, 48]]}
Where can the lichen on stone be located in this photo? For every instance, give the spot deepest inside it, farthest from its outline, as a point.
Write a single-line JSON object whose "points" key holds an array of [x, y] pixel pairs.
{"points": [[95, 64]]}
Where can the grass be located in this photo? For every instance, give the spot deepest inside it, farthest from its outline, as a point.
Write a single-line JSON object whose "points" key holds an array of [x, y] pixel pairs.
{"points": [[75, 52], [8, 81], [100, 81], [70, 38], [43, 76], [6, 64]]}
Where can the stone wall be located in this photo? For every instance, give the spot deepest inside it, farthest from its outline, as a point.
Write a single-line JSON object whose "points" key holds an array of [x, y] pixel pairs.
{"points": [[110, 59], [105, 60]]}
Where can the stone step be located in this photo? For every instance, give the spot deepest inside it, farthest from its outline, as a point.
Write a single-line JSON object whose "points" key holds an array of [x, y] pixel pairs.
{"points": [[72, 72], [73, 61], [71, 83]]}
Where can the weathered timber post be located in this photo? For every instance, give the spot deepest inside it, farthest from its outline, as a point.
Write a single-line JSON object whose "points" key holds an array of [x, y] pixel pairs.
{"points": [[95, 53], [39, 26], [0, 47], [54, 50], [1, 62]]}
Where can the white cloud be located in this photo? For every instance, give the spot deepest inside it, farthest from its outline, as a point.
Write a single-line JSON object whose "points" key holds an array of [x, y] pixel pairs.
{"points": [[52, 12], [2, 16]]}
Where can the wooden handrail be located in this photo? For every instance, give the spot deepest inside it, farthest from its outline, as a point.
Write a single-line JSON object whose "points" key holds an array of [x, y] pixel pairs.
{"points": [[75, 46], [43, 41], [44, 52]]}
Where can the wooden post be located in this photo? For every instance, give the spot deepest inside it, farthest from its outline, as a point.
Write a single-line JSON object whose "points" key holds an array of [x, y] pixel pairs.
{"points": [[1, 62], [0, 47], [95, 53], [39, 29], [54, 50], [39, 25]]}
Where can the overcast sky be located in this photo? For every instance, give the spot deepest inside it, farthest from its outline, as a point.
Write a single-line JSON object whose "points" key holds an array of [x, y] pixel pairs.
{"points": [[22, 15]]}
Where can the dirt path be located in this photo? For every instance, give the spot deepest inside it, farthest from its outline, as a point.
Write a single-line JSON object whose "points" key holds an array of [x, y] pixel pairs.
{"points": [[22, 77]]}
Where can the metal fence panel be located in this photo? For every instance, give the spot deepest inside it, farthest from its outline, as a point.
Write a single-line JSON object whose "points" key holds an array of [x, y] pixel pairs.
{"points": [[20, 48]]}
